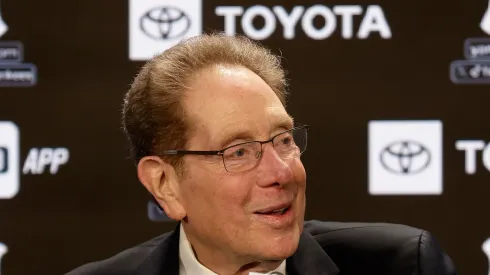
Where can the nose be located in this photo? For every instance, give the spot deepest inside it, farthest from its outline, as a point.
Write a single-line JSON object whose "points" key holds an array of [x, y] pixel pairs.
{"points": [[272, 169]]}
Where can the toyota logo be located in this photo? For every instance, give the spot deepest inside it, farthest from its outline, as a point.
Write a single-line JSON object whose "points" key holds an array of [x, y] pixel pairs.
{"points": [[405, 157], [163, 23]]}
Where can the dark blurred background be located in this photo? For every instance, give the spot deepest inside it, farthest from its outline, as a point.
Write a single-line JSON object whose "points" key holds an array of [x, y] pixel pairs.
{"points": [[93, 206]]}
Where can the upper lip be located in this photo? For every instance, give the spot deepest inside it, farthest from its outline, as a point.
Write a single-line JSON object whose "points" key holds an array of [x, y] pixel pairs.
{"points": [[274, 207]]}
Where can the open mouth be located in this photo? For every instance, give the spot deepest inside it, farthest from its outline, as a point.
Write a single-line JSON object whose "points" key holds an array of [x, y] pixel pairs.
{"points": [[276, 212]]}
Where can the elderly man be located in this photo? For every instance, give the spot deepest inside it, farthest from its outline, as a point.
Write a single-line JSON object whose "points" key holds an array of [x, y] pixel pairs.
{"points": [[218, 151]]}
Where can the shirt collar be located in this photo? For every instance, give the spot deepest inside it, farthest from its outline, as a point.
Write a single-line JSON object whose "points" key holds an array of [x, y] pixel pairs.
{"points": [[190, 265]]}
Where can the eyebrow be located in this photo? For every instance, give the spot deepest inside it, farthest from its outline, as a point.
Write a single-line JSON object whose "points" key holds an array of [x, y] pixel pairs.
{"points": [[285, 123]]}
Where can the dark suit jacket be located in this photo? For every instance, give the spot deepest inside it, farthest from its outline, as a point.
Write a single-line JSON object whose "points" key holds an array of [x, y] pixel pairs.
{"points": [[325, 248]]}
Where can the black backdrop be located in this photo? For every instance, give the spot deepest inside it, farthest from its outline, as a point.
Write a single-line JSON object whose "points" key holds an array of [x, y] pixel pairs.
{"points": [[94, 206]]}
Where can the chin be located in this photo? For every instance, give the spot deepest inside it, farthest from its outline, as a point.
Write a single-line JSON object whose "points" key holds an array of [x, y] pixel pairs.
{"points": [[281, 247], [282, 251]]}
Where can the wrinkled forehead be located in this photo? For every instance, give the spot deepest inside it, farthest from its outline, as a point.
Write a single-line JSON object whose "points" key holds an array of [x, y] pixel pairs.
{"points": [[224, 100]]}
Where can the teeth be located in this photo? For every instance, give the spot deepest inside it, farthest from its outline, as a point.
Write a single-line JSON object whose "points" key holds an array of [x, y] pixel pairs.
{"points": [[280, 210]]}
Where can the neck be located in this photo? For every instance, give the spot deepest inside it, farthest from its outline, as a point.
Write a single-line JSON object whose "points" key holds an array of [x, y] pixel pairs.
{"points": [[221, 261], [261, 267]]}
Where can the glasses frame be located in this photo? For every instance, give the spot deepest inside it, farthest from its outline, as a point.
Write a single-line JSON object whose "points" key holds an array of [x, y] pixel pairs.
{"points": [[221, 152]]}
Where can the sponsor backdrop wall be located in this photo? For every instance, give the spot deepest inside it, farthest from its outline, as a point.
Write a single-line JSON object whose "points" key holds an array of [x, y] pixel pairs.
{"points": [[396, 94]]}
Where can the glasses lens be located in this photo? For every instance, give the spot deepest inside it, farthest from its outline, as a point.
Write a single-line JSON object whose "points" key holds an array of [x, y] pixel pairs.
{"points": [[301, 138], [291, 144], [241, 157]]}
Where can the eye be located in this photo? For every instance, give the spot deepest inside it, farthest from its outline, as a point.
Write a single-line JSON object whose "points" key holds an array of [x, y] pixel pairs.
{"points": [[239, 152], [284, 140], [287, 140]]}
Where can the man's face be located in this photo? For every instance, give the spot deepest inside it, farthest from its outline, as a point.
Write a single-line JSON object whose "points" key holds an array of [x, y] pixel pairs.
{"points": [[227, 105]]}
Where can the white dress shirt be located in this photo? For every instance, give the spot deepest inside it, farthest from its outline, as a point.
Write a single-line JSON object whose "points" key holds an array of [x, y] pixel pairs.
{"points": [[189, 265]]}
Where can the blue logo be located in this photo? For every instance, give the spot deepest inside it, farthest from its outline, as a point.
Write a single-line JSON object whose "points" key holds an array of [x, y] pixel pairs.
{"points": [[155, 213]]}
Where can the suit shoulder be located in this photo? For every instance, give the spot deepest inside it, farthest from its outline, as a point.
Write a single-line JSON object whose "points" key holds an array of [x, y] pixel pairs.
{"points": [[379, 243], [124, 263], [319, 228], [371, 236]]}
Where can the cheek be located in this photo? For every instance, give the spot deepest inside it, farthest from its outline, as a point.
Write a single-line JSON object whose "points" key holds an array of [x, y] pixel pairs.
{"points": [[211, 191], [231, 193]]}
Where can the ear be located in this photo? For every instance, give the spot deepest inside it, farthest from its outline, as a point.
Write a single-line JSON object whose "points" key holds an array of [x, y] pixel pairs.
{"points": [[160, 179]]}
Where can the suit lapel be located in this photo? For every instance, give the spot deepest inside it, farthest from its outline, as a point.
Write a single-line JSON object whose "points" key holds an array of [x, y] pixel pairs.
{"points": [[165, 257], [310, 259]]}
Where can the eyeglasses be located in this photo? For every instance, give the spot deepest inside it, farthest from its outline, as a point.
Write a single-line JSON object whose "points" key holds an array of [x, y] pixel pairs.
{"points": [[245, 156]]}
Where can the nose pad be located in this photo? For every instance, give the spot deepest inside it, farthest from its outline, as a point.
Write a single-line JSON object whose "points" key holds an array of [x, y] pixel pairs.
{"points": [[258, 154]]}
